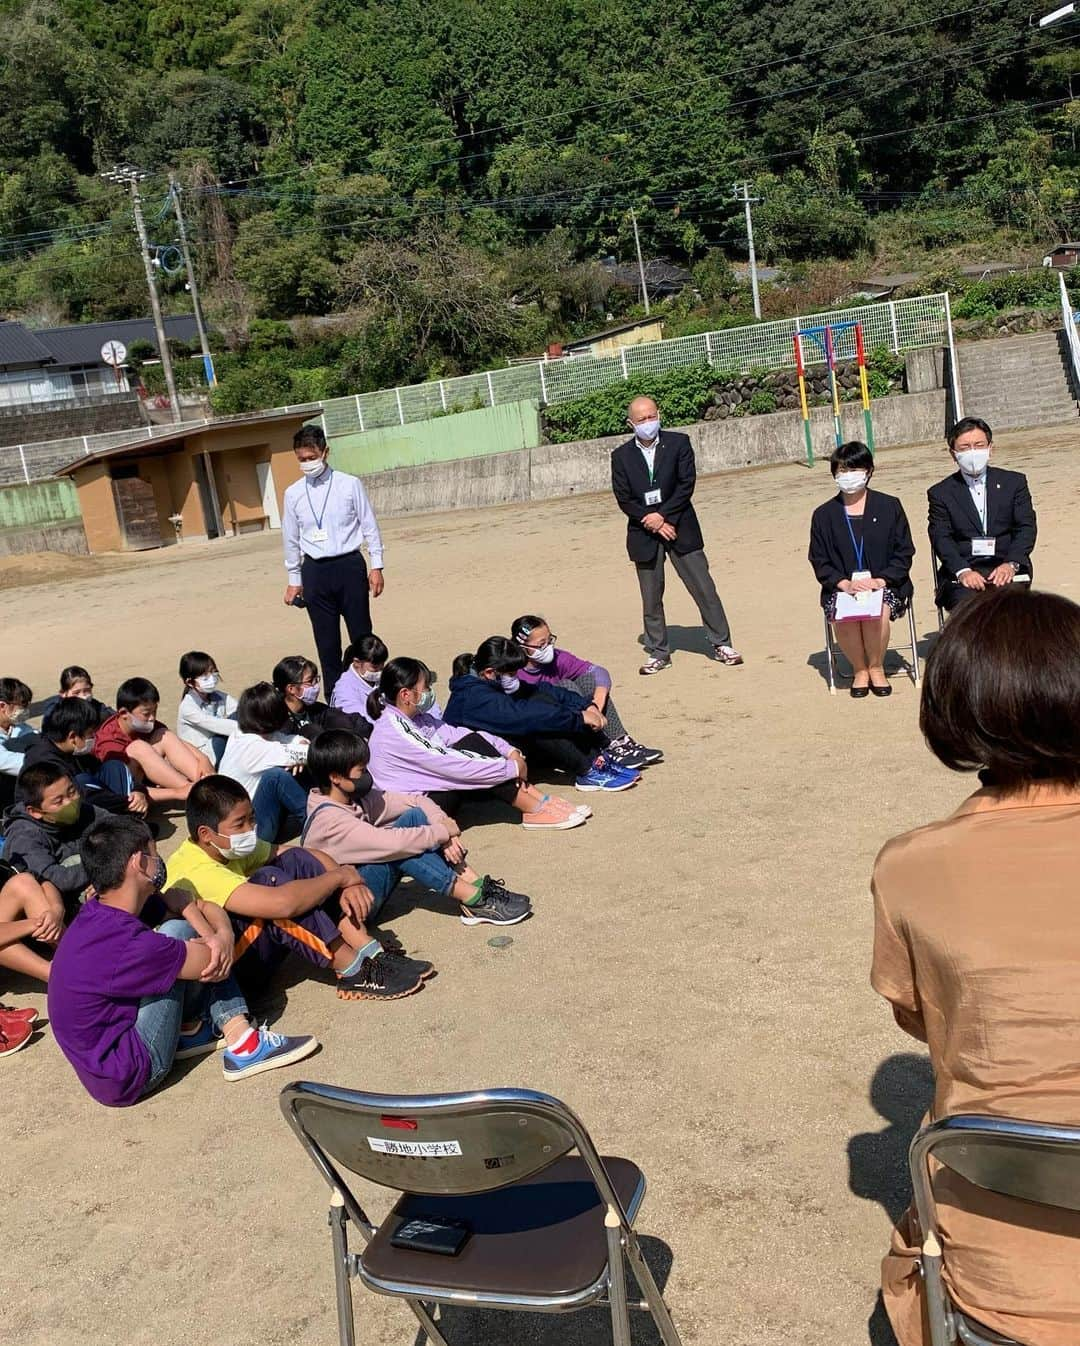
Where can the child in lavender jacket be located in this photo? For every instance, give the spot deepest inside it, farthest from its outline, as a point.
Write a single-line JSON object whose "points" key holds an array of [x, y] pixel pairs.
{"points": [[547, 663], [413, 751]]}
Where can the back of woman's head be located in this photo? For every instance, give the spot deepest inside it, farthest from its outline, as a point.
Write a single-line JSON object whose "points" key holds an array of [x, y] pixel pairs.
{"points": [[498, 653], [1002, 687], [399, 675], [261, 709]]}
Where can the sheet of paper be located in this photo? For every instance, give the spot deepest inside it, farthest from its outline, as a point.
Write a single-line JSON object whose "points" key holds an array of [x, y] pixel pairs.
{"points": [[862, 607]]}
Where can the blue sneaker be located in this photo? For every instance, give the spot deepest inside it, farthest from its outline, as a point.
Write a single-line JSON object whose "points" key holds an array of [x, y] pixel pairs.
{"points": [[273, 1050], [603, 777], [199, 1043]]}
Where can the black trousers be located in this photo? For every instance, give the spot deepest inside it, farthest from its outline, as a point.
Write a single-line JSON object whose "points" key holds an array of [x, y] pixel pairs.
{"points": [[450, 801], [335, 587]]}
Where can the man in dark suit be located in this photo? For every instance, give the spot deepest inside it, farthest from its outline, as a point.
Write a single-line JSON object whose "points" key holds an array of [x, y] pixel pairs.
{"points": [[653, 476], [982, 523]]}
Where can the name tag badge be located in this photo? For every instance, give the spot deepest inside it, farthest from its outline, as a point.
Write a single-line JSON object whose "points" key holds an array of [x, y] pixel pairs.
{"points": [[653, 497], [983, 546], [317, 535], [863, 596]]}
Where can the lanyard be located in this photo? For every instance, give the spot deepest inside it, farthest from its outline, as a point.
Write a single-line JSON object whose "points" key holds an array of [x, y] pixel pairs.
{"points": [[319, 517], [858, 547]]}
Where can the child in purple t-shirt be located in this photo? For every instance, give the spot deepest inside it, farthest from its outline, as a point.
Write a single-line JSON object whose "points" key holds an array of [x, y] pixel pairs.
{"points": [[126, 1001], [547, 663]]}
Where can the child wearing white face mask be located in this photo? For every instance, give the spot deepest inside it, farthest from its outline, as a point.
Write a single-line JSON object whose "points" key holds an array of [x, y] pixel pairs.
{"points": [[207, 716], [550, 664], [15, 698], [293, 901], [364, 660]]}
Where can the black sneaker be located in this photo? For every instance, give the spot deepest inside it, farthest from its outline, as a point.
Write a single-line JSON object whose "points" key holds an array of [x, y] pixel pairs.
{"points": [[631, 756], [420, 966], [497, 906], [387, 976]]}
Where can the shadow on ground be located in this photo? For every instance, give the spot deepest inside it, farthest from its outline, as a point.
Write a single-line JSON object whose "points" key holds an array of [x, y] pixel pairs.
{"points": [[902, 1091], [590, 1327]]}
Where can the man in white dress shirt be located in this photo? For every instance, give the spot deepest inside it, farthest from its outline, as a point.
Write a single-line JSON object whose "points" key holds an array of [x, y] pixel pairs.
{"points": [[328, 517]]}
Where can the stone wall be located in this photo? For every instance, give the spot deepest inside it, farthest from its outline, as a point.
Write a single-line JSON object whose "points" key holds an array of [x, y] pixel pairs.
{"points": [[68, 420]]}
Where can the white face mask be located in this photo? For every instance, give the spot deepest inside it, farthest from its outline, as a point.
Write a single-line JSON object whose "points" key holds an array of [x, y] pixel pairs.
{"points": [[88, 745], [313, 466], [509, 684], [371, 678], [543, 656], [208, 682], [241, 845], [851, 482], [18, 713], [139, 726], [972, 462], [646, 431]]}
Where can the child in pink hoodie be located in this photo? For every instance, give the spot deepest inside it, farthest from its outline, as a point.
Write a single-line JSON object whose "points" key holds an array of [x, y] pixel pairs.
{"points": [[386, 834]]}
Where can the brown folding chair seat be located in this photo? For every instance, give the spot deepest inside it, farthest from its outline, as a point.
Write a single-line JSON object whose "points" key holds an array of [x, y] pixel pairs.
{"points": [[547, 1230]]}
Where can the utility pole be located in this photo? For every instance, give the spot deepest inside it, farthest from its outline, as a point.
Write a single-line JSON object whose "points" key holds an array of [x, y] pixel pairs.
{"points": [[125, 173], [640, 263], [208, 359], [742, 193]]}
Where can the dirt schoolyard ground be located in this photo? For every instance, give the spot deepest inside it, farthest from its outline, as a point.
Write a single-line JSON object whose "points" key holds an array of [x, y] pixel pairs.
{"points": [[694, 982]]}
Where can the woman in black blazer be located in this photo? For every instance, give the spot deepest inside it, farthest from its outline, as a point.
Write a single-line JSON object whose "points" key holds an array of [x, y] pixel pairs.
{"points": [[859, 542]]}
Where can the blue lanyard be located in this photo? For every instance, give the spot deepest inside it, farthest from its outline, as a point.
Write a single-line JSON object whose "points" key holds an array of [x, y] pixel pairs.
{"points": [[858, 547], [319, 517]]}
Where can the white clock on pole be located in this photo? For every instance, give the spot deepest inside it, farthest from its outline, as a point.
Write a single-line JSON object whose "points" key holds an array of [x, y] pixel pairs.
{"points": [[114, 353]]}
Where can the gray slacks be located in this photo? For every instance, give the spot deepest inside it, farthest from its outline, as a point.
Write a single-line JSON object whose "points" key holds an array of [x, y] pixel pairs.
{"points": [[693, 570]]}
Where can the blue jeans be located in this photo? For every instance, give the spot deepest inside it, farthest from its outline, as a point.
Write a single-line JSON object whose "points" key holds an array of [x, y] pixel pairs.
{"points": [[430, 869], [279, 796], [160, 1016]]}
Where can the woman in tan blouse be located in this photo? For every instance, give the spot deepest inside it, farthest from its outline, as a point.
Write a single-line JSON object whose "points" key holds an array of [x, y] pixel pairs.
{"points": [[977, 948]]}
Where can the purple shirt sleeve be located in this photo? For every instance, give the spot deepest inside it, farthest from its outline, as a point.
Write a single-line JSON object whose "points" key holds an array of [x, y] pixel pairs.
{"points": [[567, 665]]}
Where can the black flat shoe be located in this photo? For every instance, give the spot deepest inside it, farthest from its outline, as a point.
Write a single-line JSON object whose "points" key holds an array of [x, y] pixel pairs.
{"points": [[861, 691], [881, 691]]}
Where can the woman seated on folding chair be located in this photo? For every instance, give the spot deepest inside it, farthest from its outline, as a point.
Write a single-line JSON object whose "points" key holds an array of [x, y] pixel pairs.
{"points": [[975, 948], [861, 552]]}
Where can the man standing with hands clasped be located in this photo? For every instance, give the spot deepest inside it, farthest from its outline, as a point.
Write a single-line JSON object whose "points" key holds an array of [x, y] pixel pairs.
{"points": [[653, 477], [328, 516]]}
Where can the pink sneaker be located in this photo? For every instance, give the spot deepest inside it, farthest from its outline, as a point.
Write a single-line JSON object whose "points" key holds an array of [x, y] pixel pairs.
{"points": [[553, 801], [549, 818]]}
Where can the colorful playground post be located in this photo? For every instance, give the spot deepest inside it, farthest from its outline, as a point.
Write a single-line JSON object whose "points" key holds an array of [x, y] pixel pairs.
{"points": [[823, 337], [864, 387], [800, 369]]}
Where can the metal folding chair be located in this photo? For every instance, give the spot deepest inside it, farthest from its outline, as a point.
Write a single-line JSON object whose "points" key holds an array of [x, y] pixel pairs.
{"points": [[1021, 578], [1026, 1160], [548, 1230], [833, 651]]}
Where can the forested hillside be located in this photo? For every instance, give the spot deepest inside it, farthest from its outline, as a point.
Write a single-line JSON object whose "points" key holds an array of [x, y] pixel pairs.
{"points": [[453, 172]]}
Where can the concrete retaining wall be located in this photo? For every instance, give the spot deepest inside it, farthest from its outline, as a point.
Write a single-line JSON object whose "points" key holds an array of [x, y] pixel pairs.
{"points": [[466, 434], [552, 470], [67, 537], [41, 502]]}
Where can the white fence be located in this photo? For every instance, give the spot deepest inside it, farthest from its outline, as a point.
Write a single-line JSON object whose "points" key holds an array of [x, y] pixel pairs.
{"points": [[905, 324]]}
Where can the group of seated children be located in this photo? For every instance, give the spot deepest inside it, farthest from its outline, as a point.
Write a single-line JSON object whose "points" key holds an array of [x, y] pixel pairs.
{"points": [[370, 785]]}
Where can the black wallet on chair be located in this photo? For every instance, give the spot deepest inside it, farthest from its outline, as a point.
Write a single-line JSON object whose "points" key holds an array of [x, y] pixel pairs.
{"points": [[432, 1234]]}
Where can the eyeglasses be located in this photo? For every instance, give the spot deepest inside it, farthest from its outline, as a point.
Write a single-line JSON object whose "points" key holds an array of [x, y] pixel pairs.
{"points": [[543, 644]]}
